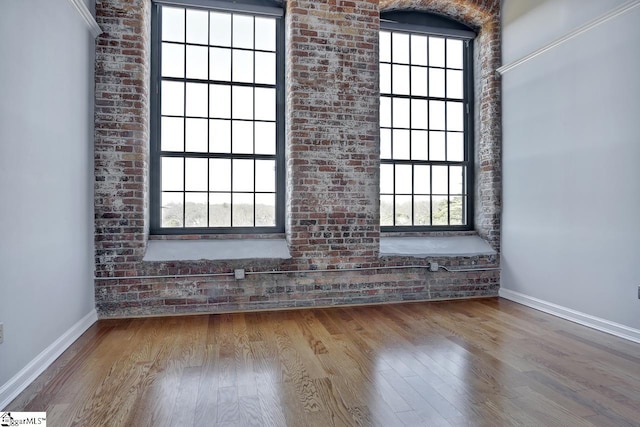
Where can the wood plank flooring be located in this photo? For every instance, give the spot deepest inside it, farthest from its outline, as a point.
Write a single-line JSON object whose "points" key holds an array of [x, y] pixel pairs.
{"points": [[487, 362]]}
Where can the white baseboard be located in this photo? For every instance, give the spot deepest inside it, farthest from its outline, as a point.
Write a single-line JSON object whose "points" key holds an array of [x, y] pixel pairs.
{"points": [[603, 325], [29, 373]]}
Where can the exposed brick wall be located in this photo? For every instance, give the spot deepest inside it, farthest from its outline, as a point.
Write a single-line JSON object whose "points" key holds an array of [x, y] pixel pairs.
{"points": [[332, 133], [121, 135], [332, 170]]}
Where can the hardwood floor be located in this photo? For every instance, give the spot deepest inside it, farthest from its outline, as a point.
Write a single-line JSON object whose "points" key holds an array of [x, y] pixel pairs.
{"points": [[485, 362]]}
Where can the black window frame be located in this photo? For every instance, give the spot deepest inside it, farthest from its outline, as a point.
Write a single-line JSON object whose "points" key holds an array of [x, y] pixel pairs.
{"points": [[429, 24], [256, 8]]}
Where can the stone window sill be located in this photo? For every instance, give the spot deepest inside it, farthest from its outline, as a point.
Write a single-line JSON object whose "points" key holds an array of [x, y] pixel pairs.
{"points": [[424, 247], [216, 249]]}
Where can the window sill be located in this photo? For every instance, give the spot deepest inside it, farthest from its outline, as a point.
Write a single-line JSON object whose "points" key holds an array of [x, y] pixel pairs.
{"points": [[216, 249], [424, 247]]}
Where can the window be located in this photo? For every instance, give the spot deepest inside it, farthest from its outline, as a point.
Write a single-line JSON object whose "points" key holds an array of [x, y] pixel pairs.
{"points": [[425, 123], [217, 162]]}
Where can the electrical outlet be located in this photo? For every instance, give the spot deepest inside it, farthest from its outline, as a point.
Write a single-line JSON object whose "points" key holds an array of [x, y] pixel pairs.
{"points": [[433, 266], [239, 273], [1, 333]]}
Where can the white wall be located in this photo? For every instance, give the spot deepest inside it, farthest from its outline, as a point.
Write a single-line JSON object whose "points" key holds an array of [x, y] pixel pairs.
{"points": [[571, 138], [46, 176]]}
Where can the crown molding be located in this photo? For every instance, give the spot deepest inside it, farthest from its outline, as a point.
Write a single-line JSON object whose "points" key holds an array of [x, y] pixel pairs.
{"points": [[86, 15], [614, 13]]}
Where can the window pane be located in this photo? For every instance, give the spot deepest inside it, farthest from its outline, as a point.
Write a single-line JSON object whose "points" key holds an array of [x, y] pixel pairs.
{"points": [[197, 26], [243, 31], [403, 179], [196, 135], [436, 115], [265, 138], [456, 180], [219, 210], [419, 115], [419, 145], [385, 78], [440, 179], [242, 210], [242, 66], [172, 60], [172, 173], [172, 134], [385, 46], [455, 116], [265, 210], [265, 104], [419, 81], [436, 146], [403, 211], [220, 136], [436, 52], [422, 210], [385, 143], [197, 62], [454, 53], [220, 29], [400, 113], [422, 179], [413, 68], [385, 112], [197, 99], [418, 50], [235, 121], [440, 211], [401, 145], [436, 82], [242, 102], [455, 147], [196, 174], [172, 24], [172, 98], [242, 137], [456, 210], [195, 210], [219, 101], [400, 79], [386, 179], [386, 210], [242, 175], [266, 176], [265, 68], [400, 47], [220, 64], [265, 34], [455, 88], [172, 207], [219, 174]]}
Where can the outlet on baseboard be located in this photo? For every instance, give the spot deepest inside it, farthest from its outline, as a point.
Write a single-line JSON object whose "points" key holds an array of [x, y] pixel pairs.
{"points": [[1, 333]]}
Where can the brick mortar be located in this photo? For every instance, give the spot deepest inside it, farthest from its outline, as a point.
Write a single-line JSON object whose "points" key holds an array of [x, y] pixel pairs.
{"points": [[332, 161]]}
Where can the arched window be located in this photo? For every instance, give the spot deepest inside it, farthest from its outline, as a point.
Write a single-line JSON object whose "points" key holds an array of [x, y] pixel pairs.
{"points": [[426, 122], [217, 155]]}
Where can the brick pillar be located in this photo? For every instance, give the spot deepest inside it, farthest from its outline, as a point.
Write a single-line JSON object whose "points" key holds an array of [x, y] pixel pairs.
{"points": [[121, 135], [488, 132], [332, 132]]}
